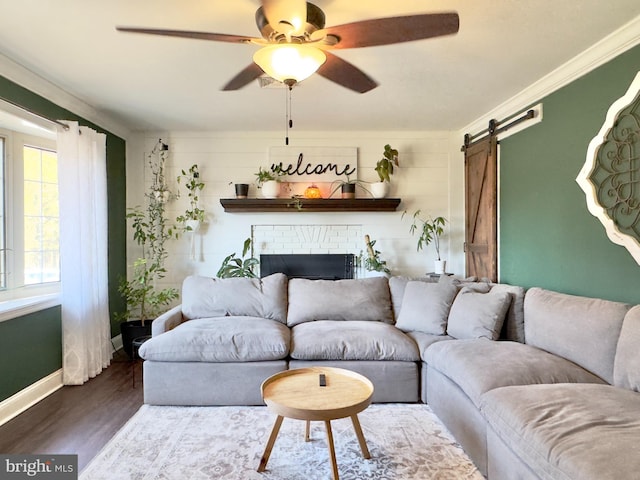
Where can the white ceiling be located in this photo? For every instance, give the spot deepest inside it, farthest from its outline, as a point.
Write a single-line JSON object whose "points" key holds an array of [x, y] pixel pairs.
{"points": [[158, 83]]}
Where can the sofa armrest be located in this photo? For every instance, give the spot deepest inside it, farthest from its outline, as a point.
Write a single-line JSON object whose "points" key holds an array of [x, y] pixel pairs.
{"points": [[167, 321]]}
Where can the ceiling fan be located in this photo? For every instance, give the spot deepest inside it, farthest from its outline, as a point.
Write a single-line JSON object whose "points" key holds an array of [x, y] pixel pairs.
{"points": [[294, 35]]}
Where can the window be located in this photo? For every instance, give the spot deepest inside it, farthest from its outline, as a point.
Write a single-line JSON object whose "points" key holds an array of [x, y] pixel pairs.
{"points": [[29, 226], [41, 216]]}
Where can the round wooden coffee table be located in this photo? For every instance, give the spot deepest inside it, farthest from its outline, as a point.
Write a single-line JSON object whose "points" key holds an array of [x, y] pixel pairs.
{"points": [[298, 394]]}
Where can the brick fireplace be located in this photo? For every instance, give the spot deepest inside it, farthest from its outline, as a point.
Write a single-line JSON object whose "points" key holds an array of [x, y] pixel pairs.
{"points": [[309, 240]]}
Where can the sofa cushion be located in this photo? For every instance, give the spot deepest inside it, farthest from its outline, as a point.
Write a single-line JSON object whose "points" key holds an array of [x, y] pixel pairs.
{"points": [[366, 299], [425, 307], [581, 329], [513, 327], [206, 297], [397, 284], [478, 315], [351, 340], [626, 370], [586, 432], [425, 340], [227, 339], [480, 365]]}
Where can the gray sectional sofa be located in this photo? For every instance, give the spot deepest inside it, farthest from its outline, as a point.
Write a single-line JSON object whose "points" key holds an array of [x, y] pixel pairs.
{"points": [[533, 385]]}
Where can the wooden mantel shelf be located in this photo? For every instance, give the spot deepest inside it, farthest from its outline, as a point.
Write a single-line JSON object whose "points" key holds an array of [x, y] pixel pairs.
{"points": [[237, 205]]}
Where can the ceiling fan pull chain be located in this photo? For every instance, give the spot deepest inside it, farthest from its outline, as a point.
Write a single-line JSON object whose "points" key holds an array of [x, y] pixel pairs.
{"points": [[288, 114]]}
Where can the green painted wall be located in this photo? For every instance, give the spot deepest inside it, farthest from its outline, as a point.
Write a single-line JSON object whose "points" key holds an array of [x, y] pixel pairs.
{"points": [[30, 346], [548, 238], [30, 349]]}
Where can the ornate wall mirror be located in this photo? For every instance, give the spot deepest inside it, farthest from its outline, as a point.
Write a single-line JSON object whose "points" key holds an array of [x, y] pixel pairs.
{"points": [[610, 176]]}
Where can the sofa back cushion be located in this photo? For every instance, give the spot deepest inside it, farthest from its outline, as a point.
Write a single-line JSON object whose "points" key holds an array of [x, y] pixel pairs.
{"points": [[513, 327], [626, 370], [477, 314], [206, 297], [397, 285], [366, 299], [425, 307], [583, 330]]}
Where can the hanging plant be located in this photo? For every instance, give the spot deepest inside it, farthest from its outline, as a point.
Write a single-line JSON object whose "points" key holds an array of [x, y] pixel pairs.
{"points": [[194, 215]]}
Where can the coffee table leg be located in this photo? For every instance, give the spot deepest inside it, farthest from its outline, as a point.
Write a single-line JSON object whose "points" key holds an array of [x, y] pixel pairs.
{"points": [[307, 431], [361, 440], [332, 451], [270, 443]]}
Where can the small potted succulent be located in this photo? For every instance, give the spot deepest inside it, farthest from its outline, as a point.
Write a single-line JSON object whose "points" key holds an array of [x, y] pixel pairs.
{"points": [[347, 187], [384, 169]]}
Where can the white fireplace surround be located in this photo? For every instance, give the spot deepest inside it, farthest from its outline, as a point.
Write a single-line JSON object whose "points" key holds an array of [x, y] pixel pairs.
{"points": [[309, 239]]}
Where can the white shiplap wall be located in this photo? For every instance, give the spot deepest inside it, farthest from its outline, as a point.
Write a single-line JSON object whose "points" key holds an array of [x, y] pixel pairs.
{"points": [[429, 178]]}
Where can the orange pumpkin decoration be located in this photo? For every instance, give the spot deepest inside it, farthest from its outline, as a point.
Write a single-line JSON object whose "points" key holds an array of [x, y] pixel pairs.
{"points": [[312, 191]]}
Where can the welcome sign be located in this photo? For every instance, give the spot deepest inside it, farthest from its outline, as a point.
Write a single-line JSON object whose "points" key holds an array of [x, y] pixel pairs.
{"points": [[315, 164]]}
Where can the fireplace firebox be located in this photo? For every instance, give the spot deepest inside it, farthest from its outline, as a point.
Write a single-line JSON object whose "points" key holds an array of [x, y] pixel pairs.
{"points": [[323, 266]]}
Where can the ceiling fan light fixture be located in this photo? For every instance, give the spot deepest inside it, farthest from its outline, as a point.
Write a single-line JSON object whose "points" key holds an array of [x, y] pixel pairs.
{"points": [[291, 61]]}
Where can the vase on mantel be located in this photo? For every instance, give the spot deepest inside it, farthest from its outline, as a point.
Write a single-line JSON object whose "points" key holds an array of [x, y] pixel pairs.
{"points": [[379, 189], [270, 189]]}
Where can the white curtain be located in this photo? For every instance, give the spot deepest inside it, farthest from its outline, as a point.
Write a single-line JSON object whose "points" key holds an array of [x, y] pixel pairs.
{"points": [[82, 179]]}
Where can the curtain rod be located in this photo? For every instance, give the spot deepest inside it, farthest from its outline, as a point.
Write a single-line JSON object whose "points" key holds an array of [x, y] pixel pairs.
{"points": [[31, 112], [493, 129]]}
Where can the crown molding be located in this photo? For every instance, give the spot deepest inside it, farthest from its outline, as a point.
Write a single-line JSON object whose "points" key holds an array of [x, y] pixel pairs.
{"points": [[611, 46], [40, 86]]}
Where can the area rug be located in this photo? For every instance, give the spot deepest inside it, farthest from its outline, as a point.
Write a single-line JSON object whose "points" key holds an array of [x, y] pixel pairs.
{"points": [[406, 441]]}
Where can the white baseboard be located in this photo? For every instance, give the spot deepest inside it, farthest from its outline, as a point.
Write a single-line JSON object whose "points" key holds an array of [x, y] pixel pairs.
{"points": [[116, 342], [18, 403]]}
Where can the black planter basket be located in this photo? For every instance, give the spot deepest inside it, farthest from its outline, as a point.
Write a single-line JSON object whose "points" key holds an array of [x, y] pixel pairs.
{"points": [[130, 331]]}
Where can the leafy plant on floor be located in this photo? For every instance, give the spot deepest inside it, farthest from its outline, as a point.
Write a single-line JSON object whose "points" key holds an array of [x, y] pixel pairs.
{"points": [[430, 230], [151, 232], [373, 262], [233, 266]]}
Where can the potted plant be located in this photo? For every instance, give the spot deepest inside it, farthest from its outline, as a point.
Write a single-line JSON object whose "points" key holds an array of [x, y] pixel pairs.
{"points": [[144, 302], [347, 187], [233, 266], [150, 231], [430, 231], [194, 215], [372, 262], [269, 181], [384, 169]]}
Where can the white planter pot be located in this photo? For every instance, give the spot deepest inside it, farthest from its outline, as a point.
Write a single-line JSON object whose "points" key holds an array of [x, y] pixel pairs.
{"points": [[439, 266], [380, 189], [194, 225], [270, 189], [374, 273]]}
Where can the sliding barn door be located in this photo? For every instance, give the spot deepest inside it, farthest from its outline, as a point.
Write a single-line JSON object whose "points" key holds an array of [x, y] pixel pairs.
{"points": [[481, 187]]}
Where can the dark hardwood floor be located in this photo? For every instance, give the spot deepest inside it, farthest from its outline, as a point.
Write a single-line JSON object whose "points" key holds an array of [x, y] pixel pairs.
{"points": [[78, 419]]}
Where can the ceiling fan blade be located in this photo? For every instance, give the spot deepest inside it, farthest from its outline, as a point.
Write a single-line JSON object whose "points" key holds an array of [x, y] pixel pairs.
{"points": [[286, 16], [243, 78], [217, 37], [344, 73], [386, 31]]}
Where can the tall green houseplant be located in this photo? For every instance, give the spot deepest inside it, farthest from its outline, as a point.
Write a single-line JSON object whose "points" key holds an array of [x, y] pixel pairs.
{"points": [[151, 231]]}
